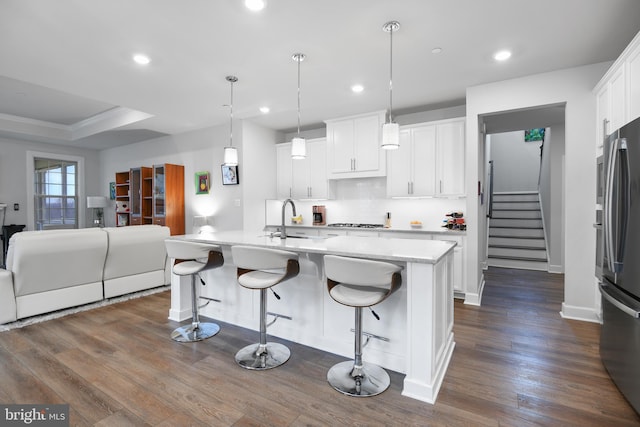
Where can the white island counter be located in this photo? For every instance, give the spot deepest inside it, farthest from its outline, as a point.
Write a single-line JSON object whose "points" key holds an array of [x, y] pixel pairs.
{"points": [[417, 319]]}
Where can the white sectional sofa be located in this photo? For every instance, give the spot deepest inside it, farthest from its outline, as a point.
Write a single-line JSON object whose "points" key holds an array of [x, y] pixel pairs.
{"points": [[52, 270]]}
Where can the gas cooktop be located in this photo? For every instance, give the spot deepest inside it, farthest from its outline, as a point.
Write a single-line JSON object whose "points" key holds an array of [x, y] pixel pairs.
{"points": [[352, 225]]}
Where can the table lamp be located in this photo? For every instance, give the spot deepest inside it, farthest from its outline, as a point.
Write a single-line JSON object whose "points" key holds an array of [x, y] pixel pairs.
{"points": [[97, 204]]}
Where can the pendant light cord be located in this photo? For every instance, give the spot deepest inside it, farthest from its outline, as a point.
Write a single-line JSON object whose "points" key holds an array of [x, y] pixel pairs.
{"points": [[390, 75], [299, 59], [231, 116]]}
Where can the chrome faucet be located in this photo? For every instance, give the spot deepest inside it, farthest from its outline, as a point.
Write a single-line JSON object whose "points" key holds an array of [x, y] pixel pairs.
{"points": [[283, 230]]}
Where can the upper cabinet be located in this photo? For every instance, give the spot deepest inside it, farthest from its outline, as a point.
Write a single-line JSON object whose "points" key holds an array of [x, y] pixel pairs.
{"points": [[618, 93], [303, 178], [353, 147], [284, 175], [429, 162]]}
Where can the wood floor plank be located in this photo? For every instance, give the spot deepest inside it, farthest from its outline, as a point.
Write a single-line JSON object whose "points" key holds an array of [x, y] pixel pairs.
{"points": [[517, 362]]}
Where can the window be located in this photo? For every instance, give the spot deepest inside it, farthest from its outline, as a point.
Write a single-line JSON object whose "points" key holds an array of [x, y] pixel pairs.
{"points": [[55, 193]]}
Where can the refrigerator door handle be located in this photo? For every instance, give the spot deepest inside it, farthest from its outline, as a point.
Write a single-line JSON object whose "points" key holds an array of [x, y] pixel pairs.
{"points": [[615, 229], [604, 290], [608, 201]]}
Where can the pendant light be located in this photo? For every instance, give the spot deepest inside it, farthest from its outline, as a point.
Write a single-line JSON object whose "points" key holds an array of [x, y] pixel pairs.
{"points": [[230, 152], [391, 130], [298, 144]]}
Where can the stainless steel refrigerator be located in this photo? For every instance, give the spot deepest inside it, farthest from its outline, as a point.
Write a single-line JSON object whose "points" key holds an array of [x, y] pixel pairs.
{"points": [[620, 287]]}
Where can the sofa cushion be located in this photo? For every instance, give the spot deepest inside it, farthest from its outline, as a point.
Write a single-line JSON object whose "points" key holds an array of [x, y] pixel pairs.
{"points": [[134, 250], [47, 260]]}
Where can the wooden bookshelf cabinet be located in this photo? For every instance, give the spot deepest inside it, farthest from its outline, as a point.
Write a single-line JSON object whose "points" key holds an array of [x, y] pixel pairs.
{"points": [[168, 197], [151, 195], [122, 198]]}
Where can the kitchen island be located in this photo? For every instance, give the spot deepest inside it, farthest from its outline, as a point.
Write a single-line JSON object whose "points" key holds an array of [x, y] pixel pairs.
{"points": [[417, 320]]}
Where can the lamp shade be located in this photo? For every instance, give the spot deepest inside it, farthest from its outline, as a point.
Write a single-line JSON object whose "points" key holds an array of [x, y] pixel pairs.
{"points": [[96, 202], [390, 136], [230, 156], [298, 148]]}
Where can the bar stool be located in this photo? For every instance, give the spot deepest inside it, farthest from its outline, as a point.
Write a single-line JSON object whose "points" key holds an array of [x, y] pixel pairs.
{"points": [[190, 259], [262, 268], [360, 283]]}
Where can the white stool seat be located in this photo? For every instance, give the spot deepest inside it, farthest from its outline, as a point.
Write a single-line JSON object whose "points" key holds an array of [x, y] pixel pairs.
{"points": [[262, 268], [187, 268], [358, 296], [191, 258], [260, 279], [359, 283]]}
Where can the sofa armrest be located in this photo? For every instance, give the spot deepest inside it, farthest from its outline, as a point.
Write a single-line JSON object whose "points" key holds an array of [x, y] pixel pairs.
{"points": [[7, 297]]}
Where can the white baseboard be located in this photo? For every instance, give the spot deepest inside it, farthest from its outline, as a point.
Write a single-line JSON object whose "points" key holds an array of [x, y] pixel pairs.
{"points": [[584, 314], [555, 269], [475, 298]]}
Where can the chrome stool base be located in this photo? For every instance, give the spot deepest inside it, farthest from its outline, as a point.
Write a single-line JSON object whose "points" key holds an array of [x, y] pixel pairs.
{"points": [[261, 357], [372, 381], [190, 333]]}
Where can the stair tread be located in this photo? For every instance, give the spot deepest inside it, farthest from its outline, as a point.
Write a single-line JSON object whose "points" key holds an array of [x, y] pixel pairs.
{"points": [[515, 227], [516, 237], [528, 248], [518, 258]]}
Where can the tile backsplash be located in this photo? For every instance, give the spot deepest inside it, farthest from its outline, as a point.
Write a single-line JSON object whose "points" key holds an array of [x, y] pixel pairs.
{"points": [[365, 201]]}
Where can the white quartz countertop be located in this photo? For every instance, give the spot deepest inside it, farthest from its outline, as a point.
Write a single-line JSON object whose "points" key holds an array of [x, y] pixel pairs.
{"points": [[392, 249], [407, 229]]}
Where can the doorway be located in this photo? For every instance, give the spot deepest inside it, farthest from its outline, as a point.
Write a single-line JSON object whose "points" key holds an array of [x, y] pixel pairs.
{"points": [[536, 209]]}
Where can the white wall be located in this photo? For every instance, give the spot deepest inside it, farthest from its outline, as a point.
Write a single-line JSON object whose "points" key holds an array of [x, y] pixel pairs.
{"points": [[551, 195], [197, 151], [259, 176], [573, 87], [516, 164], [13, 179]]}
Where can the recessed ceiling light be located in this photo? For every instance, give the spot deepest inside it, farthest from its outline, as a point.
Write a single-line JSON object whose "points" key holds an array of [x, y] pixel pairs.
{"points": [[357, 88], [264, 110], [141, 59], [255, 5], [502, 55], [436, 50]]}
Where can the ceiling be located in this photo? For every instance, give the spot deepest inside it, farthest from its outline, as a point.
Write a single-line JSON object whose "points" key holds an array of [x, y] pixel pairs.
{"points": [[67, 77]]}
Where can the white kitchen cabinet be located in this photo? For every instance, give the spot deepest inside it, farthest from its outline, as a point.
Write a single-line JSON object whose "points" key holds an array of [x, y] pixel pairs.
{"points": [[429, 162], [633, 71], [459, 253], [284, 177], [310, 174], [353, 147], [303, 178], [458, 260], [450, 158], [618, 93]]}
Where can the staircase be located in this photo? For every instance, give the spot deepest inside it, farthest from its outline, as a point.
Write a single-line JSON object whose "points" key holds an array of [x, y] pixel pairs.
{"points": [[516, 234]]}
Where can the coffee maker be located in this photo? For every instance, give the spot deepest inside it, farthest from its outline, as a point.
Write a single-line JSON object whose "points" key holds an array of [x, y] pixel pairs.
{"points": [[319, 215]]}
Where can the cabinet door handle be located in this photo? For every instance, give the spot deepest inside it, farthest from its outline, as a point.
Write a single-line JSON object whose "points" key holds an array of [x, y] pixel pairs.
{"points": [[408, 187], [440, 186]]}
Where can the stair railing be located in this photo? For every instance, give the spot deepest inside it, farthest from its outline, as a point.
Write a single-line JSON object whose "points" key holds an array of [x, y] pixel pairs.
{"points": [[490, 196]]}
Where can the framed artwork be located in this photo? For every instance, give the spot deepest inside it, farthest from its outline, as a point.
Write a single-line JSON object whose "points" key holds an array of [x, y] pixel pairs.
{"points": [[112, 190], [533, 135], [230, 175], [202, 182]]}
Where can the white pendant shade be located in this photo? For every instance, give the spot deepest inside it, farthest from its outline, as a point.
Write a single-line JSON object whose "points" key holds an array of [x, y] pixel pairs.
{"points": [[230, 156], [298, 148], [390, 136]]}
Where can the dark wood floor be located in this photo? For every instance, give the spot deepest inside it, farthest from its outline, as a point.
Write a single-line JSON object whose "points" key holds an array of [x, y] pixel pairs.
{"points": [[516, 363]]}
